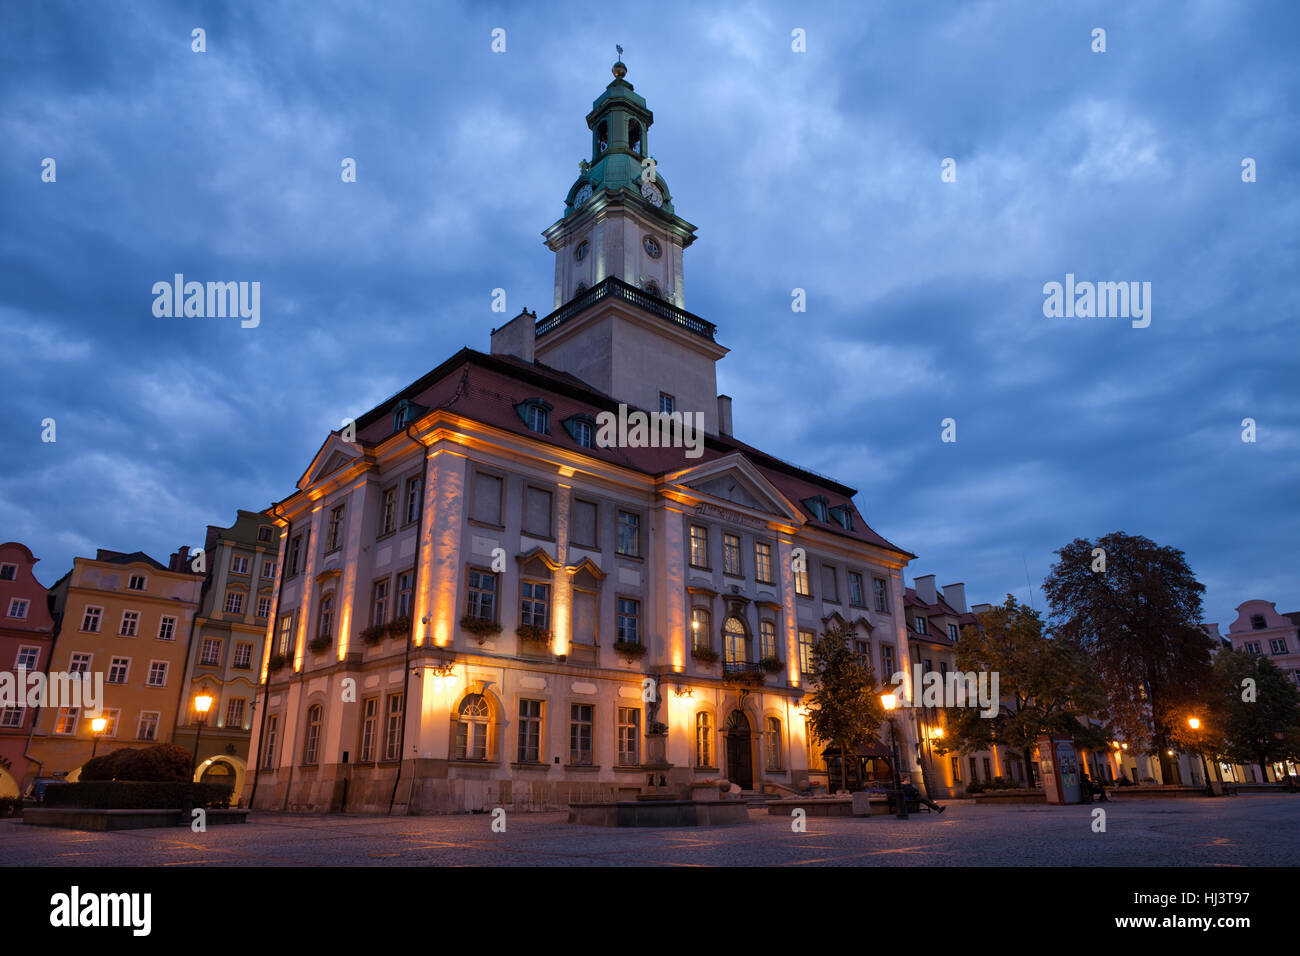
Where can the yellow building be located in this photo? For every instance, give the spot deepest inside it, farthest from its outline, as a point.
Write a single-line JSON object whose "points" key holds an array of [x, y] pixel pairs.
{"points": [[127, 618]]}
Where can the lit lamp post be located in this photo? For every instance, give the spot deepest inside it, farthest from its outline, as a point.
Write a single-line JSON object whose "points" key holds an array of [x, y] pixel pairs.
{"points": [[1195, 724], [890, 702], [202, 703], [97, 725]]}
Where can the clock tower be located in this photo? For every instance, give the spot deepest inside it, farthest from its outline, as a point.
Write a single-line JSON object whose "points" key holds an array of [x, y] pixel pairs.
{"points": [[620, 321]]}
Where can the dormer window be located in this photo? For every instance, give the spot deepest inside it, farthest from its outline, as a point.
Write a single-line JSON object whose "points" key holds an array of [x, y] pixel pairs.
{"points": [[819, 507], [634, 136], [1258, 623], [602, 137], [843, 516], [536, 415], [920, 625], [582, 429], [401, 415]]}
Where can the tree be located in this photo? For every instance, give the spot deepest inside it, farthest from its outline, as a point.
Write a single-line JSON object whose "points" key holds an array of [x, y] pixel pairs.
{"points": [[1135, 607], [1257, 709], [844, 708], [1046, 685]]}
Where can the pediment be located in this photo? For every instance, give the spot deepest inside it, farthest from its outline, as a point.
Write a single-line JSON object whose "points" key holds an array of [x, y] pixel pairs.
{"points": [[334, 455], [734, 481]]}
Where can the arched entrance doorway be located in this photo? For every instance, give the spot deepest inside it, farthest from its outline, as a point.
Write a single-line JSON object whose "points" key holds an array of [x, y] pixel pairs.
{"points": [[220, 772], [740, 759]]}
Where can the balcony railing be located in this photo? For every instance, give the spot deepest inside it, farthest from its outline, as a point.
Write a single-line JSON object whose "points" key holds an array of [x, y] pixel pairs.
{"points": [[743, 672], [616, 288]]}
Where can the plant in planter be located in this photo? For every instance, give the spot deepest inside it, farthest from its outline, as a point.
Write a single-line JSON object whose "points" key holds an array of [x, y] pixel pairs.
{"points": [[481, 627], [705, 655], [373, 635], [320, 644], [533, 634], [630, 649], [399, 627], [276, 662], [772, 665]]}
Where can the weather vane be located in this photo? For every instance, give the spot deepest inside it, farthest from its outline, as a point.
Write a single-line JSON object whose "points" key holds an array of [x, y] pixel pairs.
{"points": [[619, 49]]}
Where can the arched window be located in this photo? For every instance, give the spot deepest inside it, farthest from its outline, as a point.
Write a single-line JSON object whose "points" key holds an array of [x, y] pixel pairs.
{"points": [[312, 745], [472, 729], [634, 136], [772, 741], [602, 137], [327, 616], [735, 640], [703, 739]]}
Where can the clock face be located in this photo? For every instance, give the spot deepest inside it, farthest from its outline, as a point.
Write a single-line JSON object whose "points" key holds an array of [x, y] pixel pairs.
{"points": [[652, 246], [651, 192], [583, 195]]}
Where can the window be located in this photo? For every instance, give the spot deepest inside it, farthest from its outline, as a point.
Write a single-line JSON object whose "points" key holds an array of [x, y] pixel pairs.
{"points": [[767, 639], [882, 596], [243, 656], [772, 738], [735, 641], [1257, 622], [401, 415], [147, 728], [956, 769], [388, 512], [167, 628], [602, 137], [886, 661], [239, 564], [536, 415], [268, 751], [393, 728], [379, 603], [629, 621], [472, 729], [581, 725], [534, 604], [830, 591], [699, 546], [843, 516], [264, 533], [629, 736], [8, 572], [311, 744], [629, 534], [819, 507], [988, 769], [537, 512], [919, 623], [1277, 645], [295, 555], [701, 628], [18, 608], [974, 771], [235, 713], [234, 602], [211, 655], [27, 658], [117, 670], [414, 486], [857, 596], [11, 716], [369, 728], [487, 499], [286, 635], [530, 731], [79, 664], [582, 523], [334, 532], [634, 136], [1252, 647], [136, 582], [481, 601], [952, 632], [731, 554], [862, 649], [405, 589], [326, 628], [130, 624], [703, 739], [667, 403], [110, 722], [264, 607], [582, 429], [802, 586], [268, 569], [763, 562], [67, 721], [806, 640], [157, 674], [90, 622]]}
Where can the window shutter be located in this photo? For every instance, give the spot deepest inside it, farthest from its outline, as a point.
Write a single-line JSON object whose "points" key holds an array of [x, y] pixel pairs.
{"points": [[537, 517], [584, 617], [487, 498], [584, 523]]}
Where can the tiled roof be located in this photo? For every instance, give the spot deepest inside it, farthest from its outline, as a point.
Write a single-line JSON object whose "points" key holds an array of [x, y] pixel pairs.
{"points": [[118, 557]]}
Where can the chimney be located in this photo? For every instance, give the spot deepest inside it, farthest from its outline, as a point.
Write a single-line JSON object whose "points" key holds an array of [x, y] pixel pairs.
{"points": [[724, 415], [180, 560], [981, 608], [925, 589], [955, 595], [517, 337]]}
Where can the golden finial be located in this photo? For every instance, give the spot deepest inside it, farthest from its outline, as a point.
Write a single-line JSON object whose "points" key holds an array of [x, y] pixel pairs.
{"points": [[619, 69]]}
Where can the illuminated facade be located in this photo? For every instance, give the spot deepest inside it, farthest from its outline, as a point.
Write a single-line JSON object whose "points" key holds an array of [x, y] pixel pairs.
{"points": [[26, 636], [481, 604]]}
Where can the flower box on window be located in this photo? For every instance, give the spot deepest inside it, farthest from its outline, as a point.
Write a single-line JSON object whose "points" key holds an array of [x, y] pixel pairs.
{"points": [[399, 627], [533, 634], [373, 635], [276, 662], [480, 627], [320, 644], [772, 665], [705, 655], [630, 649]]}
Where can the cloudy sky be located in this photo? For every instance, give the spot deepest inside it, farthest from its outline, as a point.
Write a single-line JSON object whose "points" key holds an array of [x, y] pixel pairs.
{"points": [[817, 170]]}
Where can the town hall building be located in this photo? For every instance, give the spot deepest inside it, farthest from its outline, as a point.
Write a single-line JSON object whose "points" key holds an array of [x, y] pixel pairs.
{"points": [[481, 601]]}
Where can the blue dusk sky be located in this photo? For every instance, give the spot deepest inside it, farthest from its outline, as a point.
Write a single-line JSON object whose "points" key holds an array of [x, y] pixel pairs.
{"points": [[817, 170]]}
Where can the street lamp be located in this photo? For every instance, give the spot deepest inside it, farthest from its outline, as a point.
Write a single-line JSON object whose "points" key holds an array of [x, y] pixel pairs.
{"points": [[97, 725], [201, 705], [1195, 724], [891, 701]]}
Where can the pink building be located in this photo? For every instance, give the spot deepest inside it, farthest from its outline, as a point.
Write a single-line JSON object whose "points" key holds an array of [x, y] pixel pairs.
{"points": [[26, 636]]}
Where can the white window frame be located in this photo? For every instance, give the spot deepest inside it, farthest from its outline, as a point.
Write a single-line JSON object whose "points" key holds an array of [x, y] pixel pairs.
{"points": [[163, 622], [85, 619], [135, 624], [166, 669], [21, 604]]}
